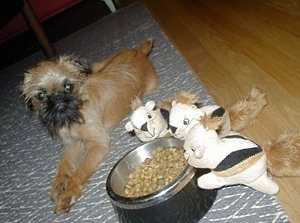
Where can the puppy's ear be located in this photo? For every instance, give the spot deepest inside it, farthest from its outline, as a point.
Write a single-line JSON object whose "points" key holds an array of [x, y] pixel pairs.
{"points": [[24, 89], [26, 83], [83, 66]]}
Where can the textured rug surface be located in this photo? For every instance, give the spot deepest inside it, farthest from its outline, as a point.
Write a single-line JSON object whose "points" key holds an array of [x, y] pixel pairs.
{"points": [[28, 155]]}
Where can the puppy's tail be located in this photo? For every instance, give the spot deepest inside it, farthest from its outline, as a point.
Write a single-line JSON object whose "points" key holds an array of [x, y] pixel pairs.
{"points": [[283, 155], [146, 47]]}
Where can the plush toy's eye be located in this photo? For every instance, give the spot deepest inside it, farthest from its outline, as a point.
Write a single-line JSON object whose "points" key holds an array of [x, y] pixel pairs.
{"points": [[69, 87], [193, 148], [41, 95], [186, 121], [149, 116]]}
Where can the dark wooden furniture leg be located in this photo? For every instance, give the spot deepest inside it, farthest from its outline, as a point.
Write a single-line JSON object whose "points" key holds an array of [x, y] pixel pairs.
{"points": [[35, 25]]}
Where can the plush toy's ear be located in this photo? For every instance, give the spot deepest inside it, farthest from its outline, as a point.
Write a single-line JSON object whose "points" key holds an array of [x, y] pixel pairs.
{"points": [[129, 127], [165, 113], [174, 103], [198, 113], [219, 112], [194, 107], [150, 105], [198, 104]]}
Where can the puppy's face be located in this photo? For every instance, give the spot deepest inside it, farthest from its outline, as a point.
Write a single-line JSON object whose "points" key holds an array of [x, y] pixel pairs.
{"points": [[52, 90]]}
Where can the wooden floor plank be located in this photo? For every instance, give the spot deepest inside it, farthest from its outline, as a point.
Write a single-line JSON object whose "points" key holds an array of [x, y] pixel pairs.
{"points": [[245, 36]]}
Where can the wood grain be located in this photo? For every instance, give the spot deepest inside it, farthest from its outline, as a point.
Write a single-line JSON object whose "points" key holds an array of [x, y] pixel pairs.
{"points": [[236, 44]]}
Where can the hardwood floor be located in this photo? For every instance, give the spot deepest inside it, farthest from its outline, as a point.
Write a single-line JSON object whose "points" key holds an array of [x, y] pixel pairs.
{"points": [[233, 45]]}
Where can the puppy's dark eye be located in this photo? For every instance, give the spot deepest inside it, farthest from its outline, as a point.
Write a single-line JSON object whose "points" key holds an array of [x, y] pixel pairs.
{"points": [[149, 116], [69, 88], [41, 95], [186, 121]]}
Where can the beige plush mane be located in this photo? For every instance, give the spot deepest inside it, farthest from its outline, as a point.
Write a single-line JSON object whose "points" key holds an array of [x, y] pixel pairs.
{"points": [[185, 97], [182, 97], [213, 123]]}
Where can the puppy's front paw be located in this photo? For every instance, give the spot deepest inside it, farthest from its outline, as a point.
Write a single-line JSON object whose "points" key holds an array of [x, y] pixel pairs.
{"points": [[64, 204], [58, 187], [67, 198]]}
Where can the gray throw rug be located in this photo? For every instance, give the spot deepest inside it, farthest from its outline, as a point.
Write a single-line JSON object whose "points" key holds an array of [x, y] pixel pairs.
{"points": [[29, 155]]}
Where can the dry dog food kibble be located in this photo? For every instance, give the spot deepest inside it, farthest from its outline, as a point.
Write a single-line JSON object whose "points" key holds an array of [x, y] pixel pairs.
{"points": [[156, 172]]}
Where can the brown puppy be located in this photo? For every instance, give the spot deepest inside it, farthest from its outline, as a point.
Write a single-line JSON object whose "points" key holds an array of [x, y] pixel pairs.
{"points": [[81, 105]]}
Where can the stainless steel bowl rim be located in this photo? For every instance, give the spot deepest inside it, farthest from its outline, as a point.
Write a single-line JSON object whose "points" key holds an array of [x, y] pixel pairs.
{"points": [[154, 198]]}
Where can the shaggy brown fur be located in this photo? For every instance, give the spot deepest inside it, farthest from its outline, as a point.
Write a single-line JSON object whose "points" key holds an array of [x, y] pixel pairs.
{"points": [[212, 123], [81, 105], [284, 155], [181, 97], [135, 103], [245, 111]]}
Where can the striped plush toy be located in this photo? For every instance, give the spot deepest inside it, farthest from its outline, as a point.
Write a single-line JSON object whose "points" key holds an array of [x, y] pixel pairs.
{"points": [[232, 159]]}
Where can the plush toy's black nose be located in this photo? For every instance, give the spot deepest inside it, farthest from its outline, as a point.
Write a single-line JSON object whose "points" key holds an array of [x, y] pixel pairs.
{"points": [[144, 127], [173, 129]]}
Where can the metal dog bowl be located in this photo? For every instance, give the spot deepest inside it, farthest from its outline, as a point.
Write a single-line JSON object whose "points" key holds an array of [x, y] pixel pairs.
{"points": [[180, 201]]}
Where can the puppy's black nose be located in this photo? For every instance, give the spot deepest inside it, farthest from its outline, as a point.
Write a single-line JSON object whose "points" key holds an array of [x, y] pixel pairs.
{"points": [[173, 129], [144, 127]]}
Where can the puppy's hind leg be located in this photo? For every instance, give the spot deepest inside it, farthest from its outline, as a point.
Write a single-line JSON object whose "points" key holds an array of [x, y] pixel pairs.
{"points": [[245, 110]]}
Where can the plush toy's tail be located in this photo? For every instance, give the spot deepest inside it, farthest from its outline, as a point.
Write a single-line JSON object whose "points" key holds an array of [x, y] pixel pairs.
{"points": [[246, 109], [283, 155]]}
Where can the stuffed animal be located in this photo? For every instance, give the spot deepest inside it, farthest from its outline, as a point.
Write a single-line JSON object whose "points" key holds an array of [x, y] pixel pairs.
{"points": [[232, 159], [148, 122], [185, 114]]}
